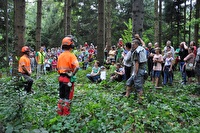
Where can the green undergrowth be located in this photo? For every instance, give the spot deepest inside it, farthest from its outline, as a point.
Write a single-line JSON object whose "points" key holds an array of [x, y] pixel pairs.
{"points": [[99, 107]]}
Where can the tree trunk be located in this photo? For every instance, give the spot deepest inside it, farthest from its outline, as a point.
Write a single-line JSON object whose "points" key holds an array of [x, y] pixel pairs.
{"points": [[196, 26], [108, 24], [138, 16], [19, 31], [101, 32], [160, 23], [156, 24], [67, 18], [6, 23], [190, 18], [38, 28]]}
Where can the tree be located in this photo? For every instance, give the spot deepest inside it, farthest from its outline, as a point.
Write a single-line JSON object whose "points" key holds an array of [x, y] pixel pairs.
{"points": [[138, 16], [19, 30], [108, 23], [196, 26], [101, 31], [156, 24], [38, 28], [67, 18]]}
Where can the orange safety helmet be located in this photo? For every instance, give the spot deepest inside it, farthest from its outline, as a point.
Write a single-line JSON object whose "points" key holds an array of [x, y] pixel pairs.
{"points": [[67, 41], [25, 49]]}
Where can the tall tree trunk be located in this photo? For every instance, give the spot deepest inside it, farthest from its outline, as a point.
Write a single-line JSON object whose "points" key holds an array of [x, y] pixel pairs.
{"points": [[67, 18], [196, 26], [184, 25], [156, 24], [19, 31], [108, 24], [38, 28], [6, 23], [160, 23], [138, 16], [190, 18], [101, 32]]}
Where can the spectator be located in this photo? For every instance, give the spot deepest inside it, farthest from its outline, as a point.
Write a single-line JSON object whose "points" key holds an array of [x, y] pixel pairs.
{"points": [[189, 62], [168, 44], [197, 66], [91, 53], [54, 63], [118, 74], [85, 55], [103, 73], [40, 59], [127, 61], [168, 71], [150, 58], [111, 54], [192, 44], [183, 52], [94, 76], [119, 53], [157, 67]]}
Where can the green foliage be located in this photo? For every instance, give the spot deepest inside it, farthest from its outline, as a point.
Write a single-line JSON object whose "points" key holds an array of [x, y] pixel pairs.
{"points": [[99, 107], [127, 35]]}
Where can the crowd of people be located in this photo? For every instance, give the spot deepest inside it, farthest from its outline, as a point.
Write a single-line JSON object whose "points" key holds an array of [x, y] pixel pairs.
{"points": [[126, 62]]}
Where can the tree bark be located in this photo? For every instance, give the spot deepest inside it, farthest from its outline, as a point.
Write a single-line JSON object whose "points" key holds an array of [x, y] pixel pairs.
{"points": [[19, 31], [196, 26], [156, 24], [108, 24], [67, 18], [138, 16], [160, 23], [6, 23], [101, 32], [38, 28]]}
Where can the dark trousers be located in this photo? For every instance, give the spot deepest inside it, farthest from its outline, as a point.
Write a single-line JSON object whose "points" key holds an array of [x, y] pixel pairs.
{"points": [[127, 72], [29, 82]]}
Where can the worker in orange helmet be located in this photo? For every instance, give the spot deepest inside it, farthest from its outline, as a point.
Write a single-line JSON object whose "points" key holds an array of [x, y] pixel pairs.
{"points": [[67, 67], [24, 68]]}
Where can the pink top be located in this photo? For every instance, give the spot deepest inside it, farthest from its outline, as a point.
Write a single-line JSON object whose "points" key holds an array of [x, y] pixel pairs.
{"points": [[158, 66]]}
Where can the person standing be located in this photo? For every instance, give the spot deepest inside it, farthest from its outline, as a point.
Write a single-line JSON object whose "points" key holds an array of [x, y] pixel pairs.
{"points": [[183, 52], [24, 69], [40, 59], [127, 61], [139, 59], [67, 67]]}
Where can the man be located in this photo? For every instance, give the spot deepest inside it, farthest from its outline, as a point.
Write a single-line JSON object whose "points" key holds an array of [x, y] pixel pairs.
{"points": [[168, 44], [139, 62], [40, 59], [67, 67], [25, 69]]}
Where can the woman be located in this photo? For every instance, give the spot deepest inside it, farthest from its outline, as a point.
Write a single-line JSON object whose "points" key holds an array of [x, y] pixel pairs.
{"points": [[189, 64], [94, 76]]}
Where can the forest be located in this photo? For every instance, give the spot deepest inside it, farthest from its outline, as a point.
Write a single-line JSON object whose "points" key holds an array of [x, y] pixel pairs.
{"points": [[96, 107]]}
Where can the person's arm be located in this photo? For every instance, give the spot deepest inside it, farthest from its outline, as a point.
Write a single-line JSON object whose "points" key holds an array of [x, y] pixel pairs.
{"points": [[136, 67], [25, 70]]}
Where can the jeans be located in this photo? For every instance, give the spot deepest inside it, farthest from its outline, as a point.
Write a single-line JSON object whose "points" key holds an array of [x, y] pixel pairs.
{"points": [[183, 73], [167, 75], [93, 78]]}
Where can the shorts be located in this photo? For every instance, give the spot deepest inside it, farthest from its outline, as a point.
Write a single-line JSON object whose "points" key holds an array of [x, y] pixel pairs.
{"points": [[137, 81], [156, 74]]}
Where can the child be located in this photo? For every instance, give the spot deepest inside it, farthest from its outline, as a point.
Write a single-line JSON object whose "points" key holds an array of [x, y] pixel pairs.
{"points": [[157, 67], [54, 63], [168, 68], [94, 76], [103, 73]]}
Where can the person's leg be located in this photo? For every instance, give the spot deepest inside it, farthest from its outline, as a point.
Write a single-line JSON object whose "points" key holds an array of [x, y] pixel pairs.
{"points": [[183, 73], [29, 82], [129, 84], [90, 77], [38, 70], [165, 77]]}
